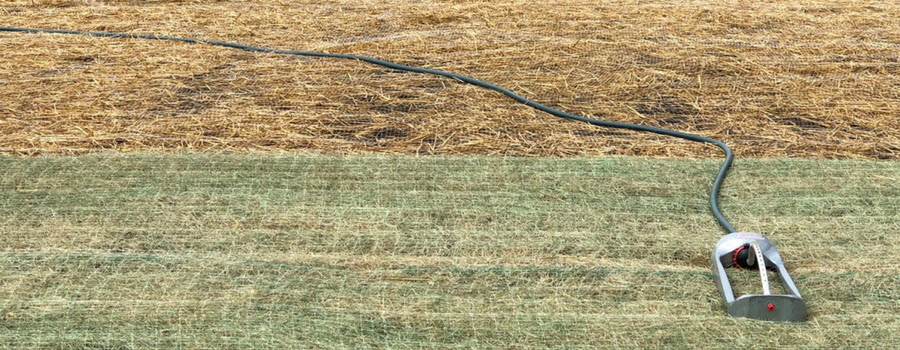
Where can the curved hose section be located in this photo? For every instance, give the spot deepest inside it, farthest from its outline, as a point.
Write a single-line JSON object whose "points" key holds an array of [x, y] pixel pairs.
{"points": [[714, 193]]}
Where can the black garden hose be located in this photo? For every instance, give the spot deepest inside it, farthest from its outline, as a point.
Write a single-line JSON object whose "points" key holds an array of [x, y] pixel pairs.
{"points": [[717, 184]]}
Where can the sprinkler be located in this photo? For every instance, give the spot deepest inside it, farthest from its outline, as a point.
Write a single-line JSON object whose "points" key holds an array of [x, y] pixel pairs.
{"points": [[733, 250], [747, 250]]}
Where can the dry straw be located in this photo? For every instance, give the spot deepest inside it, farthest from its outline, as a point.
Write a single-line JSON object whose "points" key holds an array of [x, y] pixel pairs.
{"points": [[771, 79]]}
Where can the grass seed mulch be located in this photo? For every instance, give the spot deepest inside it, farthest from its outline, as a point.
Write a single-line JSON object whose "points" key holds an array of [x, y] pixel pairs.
{"points": [[200, 251]]}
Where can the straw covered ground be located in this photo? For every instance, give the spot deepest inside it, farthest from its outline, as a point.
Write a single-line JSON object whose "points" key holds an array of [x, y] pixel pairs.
{"points": [[309, 251], [333, 233], [772, 78]]}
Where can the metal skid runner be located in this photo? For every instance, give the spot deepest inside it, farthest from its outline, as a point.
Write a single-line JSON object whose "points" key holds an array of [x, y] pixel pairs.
{"points": [[754, 251]]}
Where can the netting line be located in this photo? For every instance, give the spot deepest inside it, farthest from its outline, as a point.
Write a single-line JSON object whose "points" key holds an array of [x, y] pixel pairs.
{"points": [[714, 192]]}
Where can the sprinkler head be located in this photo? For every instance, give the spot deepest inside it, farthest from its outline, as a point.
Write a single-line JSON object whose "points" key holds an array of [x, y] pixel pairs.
{"points": [[749, 250]]}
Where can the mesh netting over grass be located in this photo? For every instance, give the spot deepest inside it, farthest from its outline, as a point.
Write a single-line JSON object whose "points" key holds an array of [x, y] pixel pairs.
{"points": [[771, 79], [242, 251]]}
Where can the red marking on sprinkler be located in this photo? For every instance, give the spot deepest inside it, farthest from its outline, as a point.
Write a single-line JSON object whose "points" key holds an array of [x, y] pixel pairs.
{"points": [[734, 257], [771, 307]]}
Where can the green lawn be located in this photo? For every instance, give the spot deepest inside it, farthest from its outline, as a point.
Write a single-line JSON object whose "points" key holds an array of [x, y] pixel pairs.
{"points": [[307, 251]]}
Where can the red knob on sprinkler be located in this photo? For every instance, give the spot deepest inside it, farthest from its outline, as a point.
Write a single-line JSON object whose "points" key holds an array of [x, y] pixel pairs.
{"points": [[771, 307]]}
